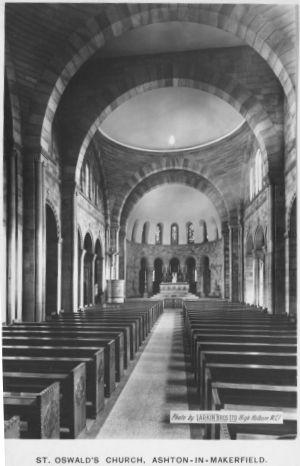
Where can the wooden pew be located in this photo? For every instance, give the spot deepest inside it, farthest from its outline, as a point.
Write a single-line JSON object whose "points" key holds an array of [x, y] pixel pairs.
{"points": [[93, 357], [227, 397], [38, 411], [71, 374], [107, 344], [108, 319], [241, 338], [247, 374], [129, 343], [119, 322], [242, 358], [78, 333], [12, 428], [263, 335]]}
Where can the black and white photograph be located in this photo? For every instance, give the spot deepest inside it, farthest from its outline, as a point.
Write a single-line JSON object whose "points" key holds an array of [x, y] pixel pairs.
{"points": [[149, 240]]}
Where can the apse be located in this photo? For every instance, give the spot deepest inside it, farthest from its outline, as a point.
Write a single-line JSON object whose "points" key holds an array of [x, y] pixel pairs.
{"points": [[171, 204]]}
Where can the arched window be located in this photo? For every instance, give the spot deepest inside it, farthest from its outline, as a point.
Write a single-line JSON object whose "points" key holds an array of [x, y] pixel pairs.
{"points": [[158, 233], [203, 228], [256, 175], [145, 233], [258, 172], [174, 233], [87, 179], [251, 184], [190, 233]]}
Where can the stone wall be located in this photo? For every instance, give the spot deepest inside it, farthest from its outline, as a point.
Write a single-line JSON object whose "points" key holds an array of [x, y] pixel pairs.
{"points": [[212, 249]]}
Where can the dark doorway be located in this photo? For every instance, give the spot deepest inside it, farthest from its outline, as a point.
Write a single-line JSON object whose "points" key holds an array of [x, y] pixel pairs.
{"points": [[190, 273], [205, 275], [174, 266], [51, 262], [158, 274]]}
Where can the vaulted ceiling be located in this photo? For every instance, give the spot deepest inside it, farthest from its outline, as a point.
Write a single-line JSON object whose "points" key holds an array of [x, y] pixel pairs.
{"points": [[143, 45]]}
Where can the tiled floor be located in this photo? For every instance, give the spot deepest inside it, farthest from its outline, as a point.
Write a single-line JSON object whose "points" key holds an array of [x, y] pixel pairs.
{"points": [[157, 384]]}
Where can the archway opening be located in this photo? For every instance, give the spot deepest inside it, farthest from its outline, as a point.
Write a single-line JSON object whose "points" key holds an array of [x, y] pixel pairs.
{"points": [[88, 288], [293, 261], [174, 268], [51, 263], [205, 272], [158, 274], [98, 273], [191, 273]]}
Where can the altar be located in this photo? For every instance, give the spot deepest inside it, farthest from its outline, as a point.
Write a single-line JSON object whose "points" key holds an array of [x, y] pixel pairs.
{"points": [[174, 290]]}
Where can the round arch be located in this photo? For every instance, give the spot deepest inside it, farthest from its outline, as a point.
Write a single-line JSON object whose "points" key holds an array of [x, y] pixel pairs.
{"points": [[229, 90], [247, 23], [192, 179]]}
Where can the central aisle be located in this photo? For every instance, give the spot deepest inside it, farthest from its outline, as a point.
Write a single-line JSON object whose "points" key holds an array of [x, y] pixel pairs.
{"points": [[157, 385]]}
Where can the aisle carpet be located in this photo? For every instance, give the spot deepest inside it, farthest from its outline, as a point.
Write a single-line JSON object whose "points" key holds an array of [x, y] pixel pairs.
{"points": [[157, 385]]}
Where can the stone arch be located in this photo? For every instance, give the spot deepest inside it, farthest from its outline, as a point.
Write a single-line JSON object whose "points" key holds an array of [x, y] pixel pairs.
{"points": [[241, 20], [249, 244], [56, 216], [13, 96], [229, 90], [192, 179], [89, 236]]}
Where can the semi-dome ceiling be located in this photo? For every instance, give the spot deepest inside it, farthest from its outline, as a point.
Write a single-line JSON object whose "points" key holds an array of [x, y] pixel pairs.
{"points": [[171, 36], [174, 203], [171, 118]]}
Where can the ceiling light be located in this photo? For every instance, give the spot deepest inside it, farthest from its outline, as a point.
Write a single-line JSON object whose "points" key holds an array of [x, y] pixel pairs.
{"points": [[171, 140]]}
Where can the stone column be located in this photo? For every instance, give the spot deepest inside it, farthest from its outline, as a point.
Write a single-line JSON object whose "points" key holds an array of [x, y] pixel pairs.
{"points": [[241, 277], [75, 257], [59, 254], [93, 277], [226, 268], [150, 280], [81, 296], [234, 262], [287, 272], [275, 264], [39, 239], [11, 237], [114, 247]]}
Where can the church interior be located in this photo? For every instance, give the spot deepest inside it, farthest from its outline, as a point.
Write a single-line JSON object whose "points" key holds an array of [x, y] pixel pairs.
{"points": [[149, 218]]}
